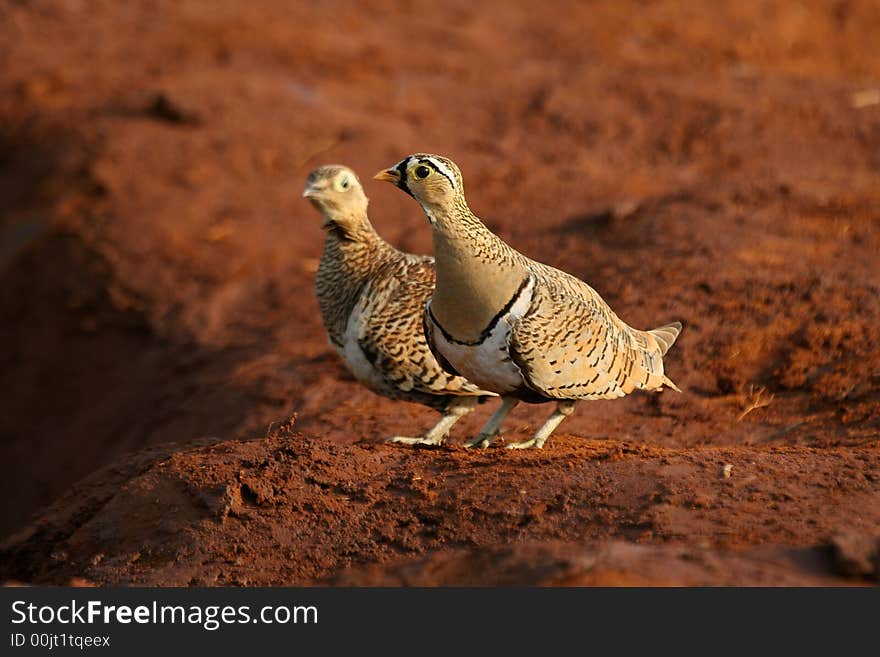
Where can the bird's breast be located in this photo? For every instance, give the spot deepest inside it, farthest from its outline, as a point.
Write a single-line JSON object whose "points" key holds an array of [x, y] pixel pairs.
{"points": [[354, 356], [486, 361]]}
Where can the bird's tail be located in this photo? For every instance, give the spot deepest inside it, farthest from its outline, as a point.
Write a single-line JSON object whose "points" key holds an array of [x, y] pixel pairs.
{"points": [[666, 335]]}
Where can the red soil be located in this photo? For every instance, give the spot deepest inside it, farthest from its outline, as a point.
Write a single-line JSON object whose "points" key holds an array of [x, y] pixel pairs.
{"points": [[718, 167]]}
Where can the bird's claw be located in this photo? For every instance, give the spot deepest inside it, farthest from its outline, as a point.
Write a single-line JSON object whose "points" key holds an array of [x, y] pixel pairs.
{"points": [[532, 443], [422, 440], [480, 440]]}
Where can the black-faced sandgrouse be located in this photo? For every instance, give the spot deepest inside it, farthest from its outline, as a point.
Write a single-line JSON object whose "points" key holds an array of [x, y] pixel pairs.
{"points": [[516, 326], [372, 299]]}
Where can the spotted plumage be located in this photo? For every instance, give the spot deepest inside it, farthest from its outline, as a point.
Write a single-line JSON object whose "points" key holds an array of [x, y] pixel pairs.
{"points": [[372, 298], [516, 326]]}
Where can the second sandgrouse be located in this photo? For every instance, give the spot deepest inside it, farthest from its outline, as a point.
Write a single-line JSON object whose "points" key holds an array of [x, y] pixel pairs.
{"points": [[516, 326], [372, 299]]}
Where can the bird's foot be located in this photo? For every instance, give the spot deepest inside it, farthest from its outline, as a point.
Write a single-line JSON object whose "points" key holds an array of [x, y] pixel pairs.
{"points": [[481, 440], [421, 440], [532, 443]]}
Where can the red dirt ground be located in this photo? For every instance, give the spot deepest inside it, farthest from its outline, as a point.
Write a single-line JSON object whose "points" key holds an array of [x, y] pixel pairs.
{"points": [[721, 167]]}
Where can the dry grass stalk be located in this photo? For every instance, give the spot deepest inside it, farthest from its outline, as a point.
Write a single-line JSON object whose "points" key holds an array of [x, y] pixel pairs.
{"points": [[756, 398]]}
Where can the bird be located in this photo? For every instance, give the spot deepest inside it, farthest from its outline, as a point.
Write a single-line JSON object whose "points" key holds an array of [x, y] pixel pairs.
{"points": [[515, 326], [372, 297]]}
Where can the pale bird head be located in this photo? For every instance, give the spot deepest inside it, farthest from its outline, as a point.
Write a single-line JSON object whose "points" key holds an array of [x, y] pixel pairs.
{"points": [[336, 193], [430, 179]]}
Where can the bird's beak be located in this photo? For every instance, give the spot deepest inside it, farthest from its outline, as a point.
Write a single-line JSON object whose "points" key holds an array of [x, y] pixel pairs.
{"points": [[311, 191], [388, 175]]}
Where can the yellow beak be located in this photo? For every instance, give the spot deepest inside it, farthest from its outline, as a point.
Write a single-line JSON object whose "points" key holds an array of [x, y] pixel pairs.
{"points": [[388, 175]]}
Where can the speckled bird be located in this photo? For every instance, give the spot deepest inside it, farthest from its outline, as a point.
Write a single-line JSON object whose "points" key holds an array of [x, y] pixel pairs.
{"points": [[372, 298], [516, 326]]}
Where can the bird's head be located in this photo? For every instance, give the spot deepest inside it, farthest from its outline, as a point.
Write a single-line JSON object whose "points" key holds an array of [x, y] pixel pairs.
{"points": [[336, 193], [432, 180]]}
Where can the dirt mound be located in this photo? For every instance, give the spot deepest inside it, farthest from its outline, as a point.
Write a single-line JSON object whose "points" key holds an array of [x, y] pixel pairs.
{"points": [[610, 563], [156, 270], [293, 509]]}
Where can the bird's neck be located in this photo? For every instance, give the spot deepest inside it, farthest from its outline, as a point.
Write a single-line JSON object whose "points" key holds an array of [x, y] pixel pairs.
{"points": [[477, 273], [351, 256]]}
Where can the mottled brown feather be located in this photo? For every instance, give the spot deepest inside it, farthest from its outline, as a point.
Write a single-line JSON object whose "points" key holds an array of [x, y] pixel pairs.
{"points": [[571, 345]]}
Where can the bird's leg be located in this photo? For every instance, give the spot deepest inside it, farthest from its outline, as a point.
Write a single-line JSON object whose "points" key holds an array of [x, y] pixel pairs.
{"points": [[493, 424], [563, 409], [457, 409]]}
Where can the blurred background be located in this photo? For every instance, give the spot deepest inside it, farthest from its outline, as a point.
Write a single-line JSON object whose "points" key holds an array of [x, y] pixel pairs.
{"points": [[714, 162]]}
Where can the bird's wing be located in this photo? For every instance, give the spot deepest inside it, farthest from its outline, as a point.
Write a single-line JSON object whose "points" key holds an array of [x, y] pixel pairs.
{"points": [[571, 345], [392, 336]]}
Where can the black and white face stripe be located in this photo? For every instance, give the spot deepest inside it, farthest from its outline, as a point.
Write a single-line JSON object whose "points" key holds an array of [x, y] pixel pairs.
{"points": [[401, 180], [435, 165], [439, 167]]}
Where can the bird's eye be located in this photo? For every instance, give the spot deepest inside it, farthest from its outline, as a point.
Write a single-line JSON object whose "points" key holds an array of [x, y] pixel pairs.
{"points": [[422, 171], [343, 184]]}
